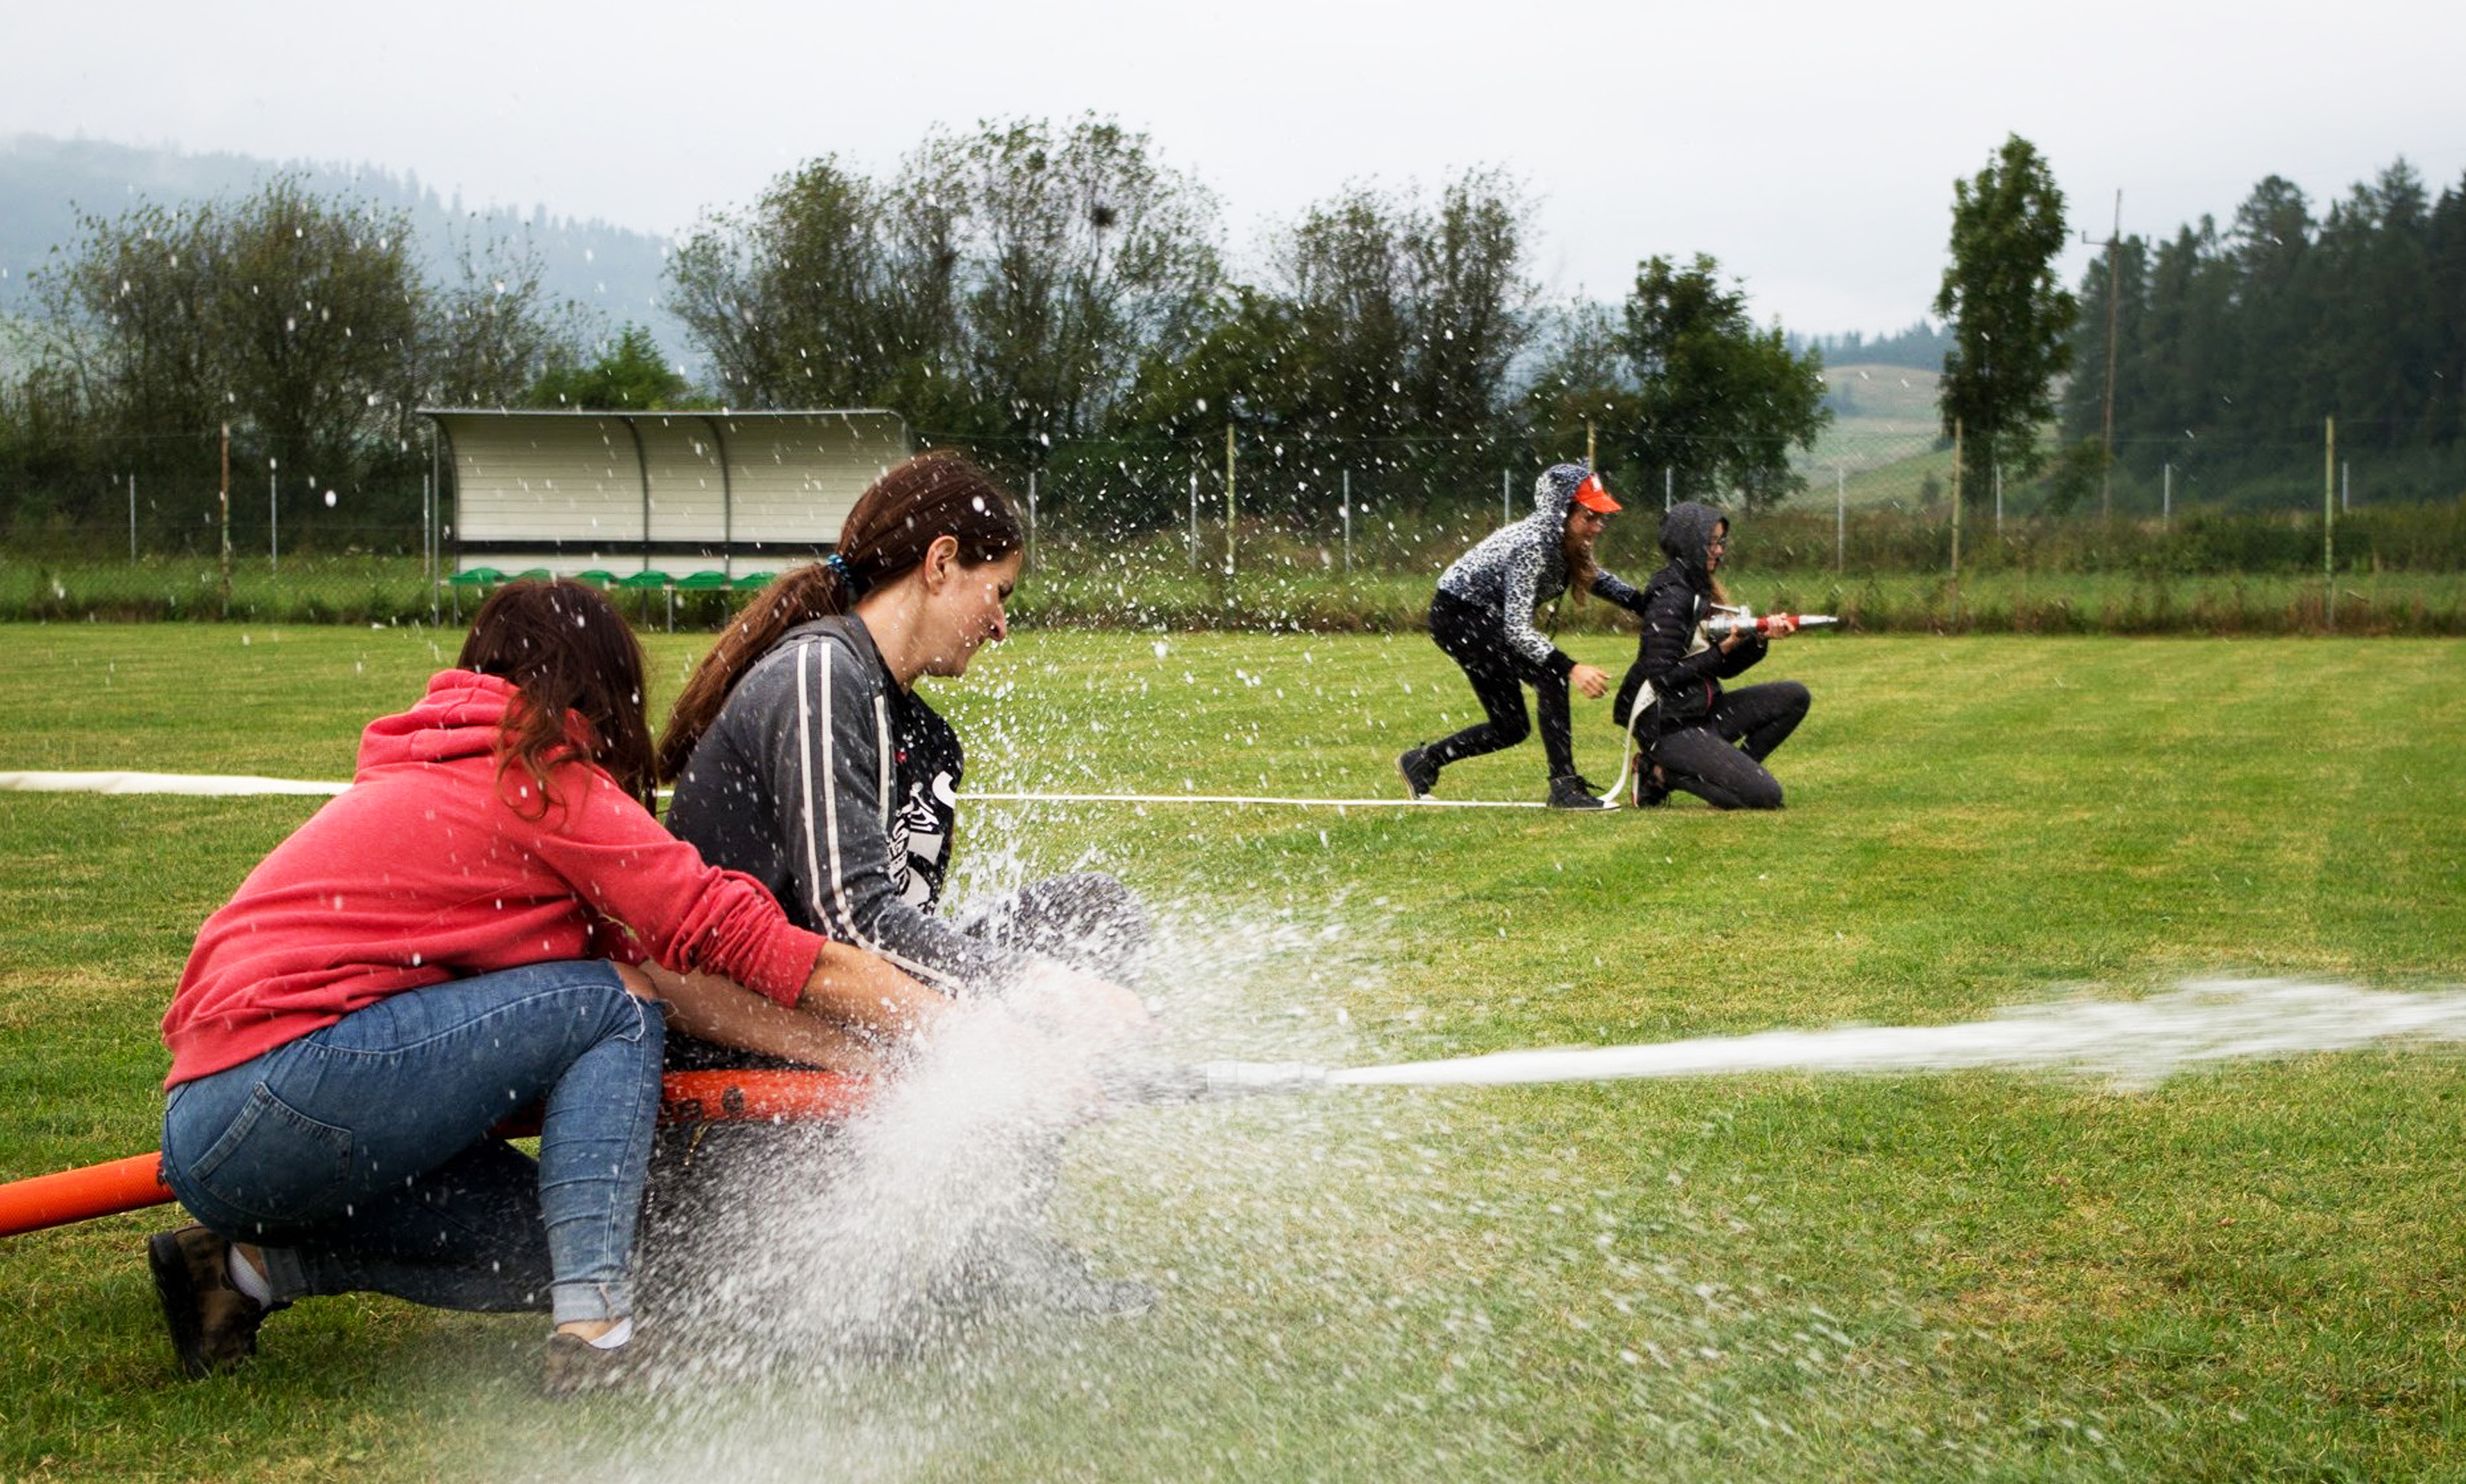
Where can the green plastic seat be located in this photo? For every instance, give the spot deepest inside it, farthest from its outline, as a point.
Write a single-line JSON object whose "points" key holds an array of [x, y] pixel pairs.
{"points": [[645, 583], [703, 582], [756, 582], [537, 574], [477, 577], [597, 577]]}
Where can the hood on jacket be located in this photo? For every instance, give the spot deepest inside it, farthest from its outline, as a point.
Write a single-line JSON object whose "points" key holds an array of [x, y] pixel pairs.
{"points": [[1555, 490], [461, 716], [1687, 532]]}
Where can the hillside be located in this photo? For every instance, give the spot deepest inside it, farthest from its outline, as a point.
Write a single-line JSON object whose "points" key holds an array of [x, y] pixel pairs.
{"points": [[1882, 415], [46, 184]]}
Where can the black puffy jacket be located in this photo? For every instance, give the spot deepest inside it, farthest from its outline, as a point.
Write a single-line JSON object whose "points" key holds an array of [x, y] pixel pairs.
{"points": [[1671, 656]]}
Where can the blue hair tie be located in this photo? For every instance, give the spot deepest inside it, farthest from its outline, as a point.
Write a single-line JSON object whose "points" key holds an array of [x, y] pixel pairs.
{"points": [[839, 565]]}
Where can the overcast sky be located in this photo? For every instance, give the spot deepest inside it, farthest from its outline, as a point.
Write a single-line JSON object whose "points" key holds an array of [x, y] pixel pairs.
{"points": [[1810, 148]]}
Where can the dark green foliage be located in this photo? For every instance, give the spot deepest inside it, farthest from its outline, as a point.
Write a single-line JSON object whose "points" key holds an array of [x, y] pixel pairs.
{"points": [[1720, 403], [628, 375], [2234, 348], [2011, 318]]}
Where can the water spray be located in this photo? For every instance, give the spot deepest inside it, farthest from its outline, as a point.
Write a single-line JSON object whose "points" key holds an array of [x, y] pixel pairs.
{"points": [[1214, 1081], [2134, 1041]]}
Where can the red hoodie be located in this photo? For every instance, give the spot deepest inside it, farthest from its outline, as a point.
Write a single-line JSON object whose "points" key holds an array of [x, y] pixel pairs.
{"points": [[426, 870]]}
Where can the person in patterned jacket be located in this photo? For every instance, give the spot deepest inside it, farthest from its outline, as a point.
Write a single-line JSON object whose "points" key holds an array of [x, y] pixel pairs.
{"points": [[1482, 618]]}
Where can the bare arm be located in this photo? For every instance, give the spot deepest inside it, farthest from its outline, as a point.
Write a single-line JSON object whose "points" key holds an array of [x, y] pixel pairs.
{"points": [[727, 1013], [864, 992]]}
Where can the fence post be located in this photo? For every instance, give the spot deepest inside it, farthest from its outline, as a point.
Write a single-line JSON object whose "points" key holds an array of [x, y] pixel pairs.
{"points": [[1840, 516], [1230, 510], [1191, 545], [223, 499], [2166, 496], [1955, 594], [1031, 518], [273, 523], [1346, 510], [1505, 505], [2329, 520], [132, 518]]}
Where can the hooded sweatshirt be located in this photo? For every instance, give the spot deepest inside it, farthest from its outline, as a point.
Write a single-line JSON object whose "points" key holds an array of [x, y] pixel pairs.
{"points": [[825, 781], [432, 867], [1672, 655], [1518, 567]]}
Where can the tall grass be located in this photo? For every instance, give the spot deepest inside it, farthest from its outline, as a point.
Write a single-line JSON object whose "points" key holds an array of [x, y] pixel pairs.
{"points": [[2397, 569]]}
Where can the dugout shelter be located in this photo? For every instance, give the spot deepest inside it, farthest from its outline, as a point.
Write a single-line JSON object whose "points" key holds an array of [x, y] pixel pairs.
{"points": [[676, 498]]}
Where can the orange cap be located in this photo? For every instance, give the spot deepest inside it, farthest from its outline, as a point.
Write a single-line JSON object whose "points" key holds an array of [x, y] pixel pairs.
{"points": [[1595, 495]]}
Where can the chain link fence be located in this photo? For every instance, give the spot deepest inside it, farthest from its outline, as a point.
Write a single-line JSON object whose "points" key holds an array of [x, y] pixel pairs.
{"points": [[1329, 533]]}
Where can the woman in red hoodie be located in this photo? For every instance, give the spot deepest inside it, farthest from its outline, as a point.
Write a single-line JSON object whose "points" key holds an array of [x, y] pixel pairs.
{"points": [[488, 919]]}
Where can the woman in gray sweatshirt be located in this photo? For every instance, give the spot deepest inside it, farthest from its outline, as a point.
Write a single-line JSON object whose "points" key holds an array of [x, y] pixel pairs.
{"points": [[1482, 618], [802, 755]]}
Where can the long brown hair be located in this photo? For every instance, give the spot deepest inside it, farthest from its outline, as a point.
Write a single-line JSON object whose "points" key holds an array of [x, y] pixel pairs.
{"points": [[895, 521], [1581, 569], [574, 660]]}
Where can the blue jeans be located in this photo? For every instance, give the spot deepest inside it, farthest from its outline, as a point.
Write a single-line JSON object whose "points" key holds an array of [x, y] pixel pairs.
{"points": [[360, 1156]]}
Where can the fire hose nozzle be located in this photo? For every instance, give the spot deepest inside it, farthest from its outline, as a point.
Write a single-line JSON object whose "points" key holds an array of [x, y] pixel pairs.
{"points": [[1215, 1081]]}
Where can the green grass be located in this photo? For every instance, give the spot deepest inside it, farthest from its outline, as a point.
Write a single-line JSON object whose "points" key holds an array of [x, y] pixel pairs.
{"points": [[2250, 1272]]}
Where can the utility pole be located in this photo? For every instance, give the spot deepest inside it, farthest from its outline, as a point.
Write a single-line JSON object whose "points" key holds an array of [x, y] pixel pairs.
{"points": [[2106, 434]]}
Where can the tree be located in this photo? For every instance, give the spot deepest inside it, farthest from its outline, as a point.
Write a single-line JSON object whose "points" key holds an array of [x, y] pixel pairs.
{"points": [[127, 335], [1472, 305], [316, 310], [791, 301], [293, 320], [486, 338], [2447, 237], [627, 375], [1411, 314], [2011, 318], [1721, 403], [1079, 258]]}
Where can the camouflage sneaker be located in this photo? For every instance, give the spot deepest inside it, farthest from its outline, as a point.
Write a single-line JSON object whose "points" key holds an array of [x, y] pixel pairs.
{"points": [[213, 1325]]}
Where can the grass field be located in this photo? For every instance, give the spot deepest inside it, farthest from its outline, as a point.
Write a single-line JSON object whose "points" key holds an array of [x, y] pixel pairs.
{"points": [[2247, 1272]]}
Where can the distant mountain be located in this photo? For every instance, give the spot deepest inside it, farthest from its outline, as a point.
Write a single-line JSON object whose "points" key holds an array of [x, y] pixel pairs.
{"points": [[46, 183]]}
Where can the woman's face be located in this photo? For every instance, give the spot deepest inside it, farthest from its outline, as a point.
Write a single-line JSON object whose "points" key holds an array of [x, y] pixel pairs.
{"points": [[1717, 548], [1584, 526], [969, 612]]}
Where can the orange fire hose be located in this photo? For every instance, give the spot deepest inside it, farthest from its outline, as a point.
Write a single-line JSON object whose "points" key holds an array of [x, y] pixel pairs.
{"points": [[116, 1186]]}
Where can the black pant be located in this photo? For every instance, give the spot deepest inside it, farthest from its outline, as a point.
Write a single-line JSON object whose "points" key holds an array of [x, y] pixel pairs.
{"points": [[1476, 640], [1707, 759]]}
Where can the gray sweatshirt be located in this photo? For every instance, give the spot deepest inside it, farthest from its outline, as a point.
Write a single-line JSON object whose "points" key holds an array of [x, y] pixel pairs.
{"points": [[831, 785]]}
